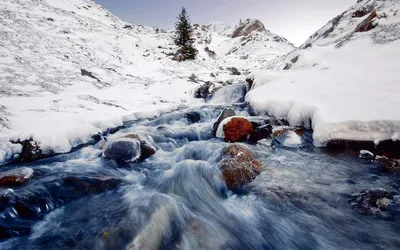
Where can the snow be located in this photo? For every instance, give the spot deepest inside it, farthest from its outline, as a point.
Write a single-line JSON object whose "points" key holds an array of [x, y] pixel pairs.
{"points": [[44, 45], [348, 92]]}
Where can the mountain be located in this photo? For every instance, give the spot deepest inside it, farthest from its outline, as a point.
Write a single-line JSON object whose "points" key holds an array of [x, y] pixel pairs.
{"points": [[343, 81], [69, 69]]}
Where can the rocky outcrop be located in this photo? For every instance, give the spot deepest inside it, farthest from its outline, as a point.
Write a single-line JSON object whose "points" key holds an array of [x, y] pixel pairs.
{"points": [[248, 26], [367, 24], [234, 129], [239, 166]]}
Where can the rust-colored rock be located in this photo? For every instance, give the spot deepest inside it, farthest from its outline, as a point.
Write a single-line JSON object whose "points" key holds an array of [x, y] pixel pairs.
{"points": [[15, 177], [237, 129], [367, 24], [239, 167]]}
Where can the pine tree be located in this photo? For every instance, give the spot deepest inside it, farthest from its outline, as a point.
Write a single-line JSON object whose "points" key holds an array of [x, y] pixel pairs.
{"points": [[183, 36]]}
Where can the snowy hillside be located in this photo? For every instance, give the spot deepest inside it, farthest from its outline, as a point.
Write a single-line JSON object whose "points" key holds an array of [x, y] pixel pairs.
{"points": [[70, 69], [249, 45], [344, 81]]}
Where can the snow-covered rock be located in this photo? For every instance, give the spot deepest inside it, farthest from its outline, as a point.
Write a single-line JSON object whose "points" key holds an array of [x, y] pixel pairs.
{"points": [[341, 83]]}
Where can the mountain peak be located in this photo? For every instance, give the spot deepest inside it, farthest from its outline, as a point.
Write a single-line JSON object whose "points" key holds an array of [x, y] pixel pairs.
{"points": [[248, 26]]}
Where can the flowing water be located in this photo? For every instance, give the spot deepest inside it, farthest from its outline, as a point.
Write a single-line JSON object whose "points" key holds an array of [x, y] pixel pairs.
{"points": [[177, 200]]}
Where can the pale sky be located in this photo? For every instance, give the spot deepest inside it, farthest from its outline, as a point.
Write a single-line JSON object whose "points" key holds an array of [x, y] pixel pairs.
{"points": [[294, 19]]}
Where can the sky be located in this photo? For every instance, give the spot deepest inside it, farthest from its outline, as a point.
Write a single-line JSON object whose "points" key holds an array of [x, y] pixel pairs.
{"points": [[294, 19]]}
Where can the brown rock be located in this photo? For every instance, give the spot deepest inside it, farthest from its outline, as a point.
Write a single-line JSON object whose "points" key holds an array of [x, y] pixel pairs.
{"points": [[239, 167], [367, 24], [15, 177], [237, 129], [247, 27]]}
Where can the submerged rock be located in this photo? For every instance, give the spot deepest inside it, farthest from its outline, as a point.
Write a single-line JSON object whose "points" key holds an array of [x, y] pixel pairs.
{"points": [[289, 137], [91, 185], [239, 166], [227, 112], [16, 177], [371, 201], [125, 149], [192, 116], [234, 129]]}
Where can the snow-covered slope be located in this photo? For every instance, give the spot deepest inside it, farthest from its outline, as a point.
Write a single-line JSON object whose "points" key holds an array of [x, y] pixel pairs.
{"points": [[70, 69], [249, 45], [344, 81]]}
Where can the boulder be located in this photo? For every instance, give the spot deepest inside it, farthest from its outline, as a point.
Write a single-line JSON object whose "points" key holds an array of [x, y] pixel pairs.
{"points": [[234, 129], [125, 149], [239, 166], [227, 112], [289, 136], [15, 177], [146, 147], [192, 116], [371, 201]]}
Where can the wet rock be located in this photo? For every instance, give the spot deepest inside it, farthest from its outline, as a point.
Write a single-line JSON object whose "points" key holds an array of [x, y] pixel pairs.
{"points": [[15, 177], [227, 112], [371, 201], [125, 149], [389, 148], [234, 71], [90, 185], [288, 136], [192, 116], [146, 147], [239, 166], [367, 24], [260, 132], [234, 129], [366, 155], [388, 165], [205, 91]]}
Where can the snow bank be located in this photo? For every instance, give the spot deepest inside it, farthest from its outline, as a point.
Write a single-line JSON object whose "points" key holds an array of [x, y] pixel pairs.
{"points": [[348, 93]]}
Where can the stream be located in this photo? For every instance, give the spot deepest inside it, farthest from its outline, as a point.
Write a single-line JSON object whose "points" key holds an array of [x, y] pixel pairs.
{"points": [[176, 199]]}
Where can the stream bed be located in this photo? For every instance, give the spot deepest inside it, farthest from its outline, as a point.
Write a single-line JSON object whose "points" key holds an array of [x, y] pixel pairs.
{"points": [[176, 199]]}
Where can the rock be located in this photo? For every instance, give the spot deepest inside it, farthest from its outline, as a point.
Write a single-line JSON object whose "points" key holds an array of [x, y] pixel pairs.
{"points": [[192, 116], [234, 129], [90, 185], [366, 155], [367, 24], [193, 78], [250, 82], [15, 177], [234, 71], [227, 112], [388, 148], [146, 148], [31, 151], [371, 201], [247, 27], [288, 136], [210, 53], [388, 165], [205, 91], [260, 132], [239, 167], [125, 149], [89, 74]]}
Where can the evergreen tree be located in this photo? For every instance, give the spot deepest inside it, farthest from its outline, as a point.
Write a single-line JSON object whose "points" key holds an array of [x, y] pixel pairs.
{"points": [[183, 36]]}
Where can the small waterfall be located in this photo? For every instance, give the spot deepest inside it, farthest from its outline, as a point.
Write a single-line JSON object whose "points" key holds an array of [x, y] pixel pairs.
{"points": [[230, 94]]}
